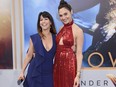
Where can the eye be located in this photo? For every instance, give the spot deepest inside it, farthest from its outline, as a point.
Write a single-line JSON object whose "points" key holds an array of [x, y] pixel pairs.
{"points": [[60, 15], [46, 18], [41, 19], [65, 14]]}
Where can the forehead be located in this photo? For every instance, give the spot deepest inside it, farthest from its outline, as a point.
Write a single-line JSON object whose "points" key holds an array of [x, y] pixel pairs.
{"points": [[43, 16], [63, 10]]}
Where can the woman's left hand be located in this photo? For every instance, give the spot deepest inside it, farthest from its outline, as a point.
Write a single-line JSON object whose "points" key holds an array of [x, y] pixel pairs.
{"points": [[76, 81]]}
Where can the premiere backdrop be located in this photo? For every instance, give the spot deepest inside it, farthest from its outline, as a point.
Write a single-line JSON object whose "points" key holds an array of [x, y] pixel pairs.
{"points": [[85, 17], [18, 20], [99, 63], [90, 17]]}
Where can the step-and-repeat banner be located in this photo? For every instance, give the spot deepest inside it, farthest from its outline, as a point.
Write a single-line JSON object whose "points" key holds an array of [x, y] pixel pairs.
{"points": [[97, 18]]}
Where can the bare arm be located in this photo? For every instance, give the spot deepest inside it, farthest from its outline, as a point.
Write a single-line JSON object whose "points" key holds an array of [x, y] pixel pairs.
{"points": [[78, 35], [79, 56], [28, 56], [26, 60]]}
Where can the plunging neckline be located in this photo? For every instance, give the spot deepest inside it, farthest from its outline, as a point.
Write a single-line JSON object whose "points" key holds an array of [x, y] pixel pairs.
{"points": [[51, 46]]}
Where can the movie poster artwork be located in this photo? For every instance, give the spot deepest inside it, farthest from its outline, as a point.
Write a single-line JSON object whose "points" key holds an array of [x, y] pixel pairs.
{"points": [[97, 18], [102, 51], [6, 59]]}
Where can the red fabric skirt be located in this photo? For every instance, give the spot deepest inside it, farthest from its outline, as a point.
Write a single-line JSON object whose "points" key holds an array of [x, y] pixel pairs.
{"points": [[64, 67]]}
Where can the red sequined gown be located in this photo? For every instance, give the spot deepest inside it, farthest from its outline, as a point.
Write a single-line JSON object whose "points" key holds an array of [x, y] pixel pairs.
{"points": [[65, 58]]}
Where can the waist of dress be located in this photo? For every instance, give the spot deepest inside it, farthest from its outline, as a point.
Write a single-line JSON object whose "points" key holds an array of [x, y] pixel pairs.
{"points": [[64, 48], [47, 73]]}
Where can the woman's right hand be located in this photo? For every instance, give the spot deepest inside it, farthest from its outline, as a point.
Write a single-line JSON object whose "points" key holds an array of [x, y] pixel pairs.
{"points": [[21, 76], [76, 81]]}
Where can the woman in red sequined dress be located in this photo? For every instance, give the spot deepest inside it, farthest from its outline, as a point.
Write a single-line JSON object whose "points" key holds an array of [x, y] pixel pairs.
{"points": [[68, 58]]}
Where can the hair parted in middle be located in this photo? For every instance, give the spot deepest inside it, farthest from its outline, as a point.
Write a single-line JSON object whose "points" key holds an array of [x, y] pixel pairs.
{"points": [[45, 14], [64, 4]]}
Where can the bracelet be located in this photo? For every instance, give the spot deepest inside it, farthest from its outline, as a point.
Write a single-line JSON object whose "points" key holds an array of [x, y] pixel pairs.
{"points": [[79, 71], [78, 76]]}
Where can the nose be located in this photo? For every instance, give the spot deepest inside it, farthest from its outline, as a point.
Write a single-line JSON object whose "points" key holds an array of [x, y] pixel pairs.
{"points": [[63, 17]]}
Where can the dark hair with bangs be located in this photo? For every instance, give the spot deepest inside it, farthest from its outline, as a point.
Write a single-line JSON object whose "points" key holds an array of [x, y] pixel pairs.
{"points": [[45, 14], [64, 4]]}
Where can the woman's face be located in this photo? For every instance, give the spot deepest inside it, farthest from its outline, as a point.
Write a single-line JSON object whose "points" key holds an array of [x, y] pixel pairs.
{"points": [[44, 23], [65, 15]]}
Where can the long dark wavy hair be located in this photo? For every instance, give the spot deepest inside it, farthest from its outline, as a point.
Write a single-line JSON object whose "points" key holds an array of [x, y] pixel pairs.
{"points": [[64, 4], [45, 14]]}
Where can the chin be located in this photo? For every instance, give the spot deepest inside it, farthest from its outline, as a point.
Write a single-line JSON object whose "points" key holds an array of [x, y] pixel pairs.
{"points": [[65, 22], [44, 28]]}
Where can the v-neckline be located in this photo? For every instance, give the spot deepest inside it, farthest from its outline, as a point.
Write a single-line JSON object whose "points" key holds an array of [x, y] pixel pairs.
{"points": [[51, 46]]}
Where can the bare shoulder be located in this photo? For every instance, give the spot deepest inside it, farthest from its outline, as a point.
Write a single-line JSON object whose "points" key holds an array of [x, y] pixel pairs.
{"points": [[76, 30]]}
